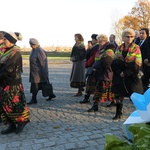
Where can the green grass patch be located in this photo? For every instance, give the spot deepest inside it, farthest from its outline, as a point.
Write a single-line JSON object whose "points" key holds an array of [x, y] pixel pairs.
{"points": [[59, 58], [51, 55]]}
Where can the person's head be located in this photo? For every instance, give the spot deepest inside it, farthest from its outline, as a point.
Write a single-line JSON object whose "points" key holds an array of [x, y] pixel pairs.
{"points": [[137, 33], [33, 43], [128, 35], [112, 38], [144, 33], [89, 44], [102, 39], [94, 38], [11, 38], [78, 37]]}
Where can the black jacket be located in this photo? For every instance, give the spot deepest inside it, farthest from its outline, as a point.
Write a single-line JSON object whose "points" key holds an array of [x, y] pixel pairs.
{"points": [[130, 83], [11, 69]]}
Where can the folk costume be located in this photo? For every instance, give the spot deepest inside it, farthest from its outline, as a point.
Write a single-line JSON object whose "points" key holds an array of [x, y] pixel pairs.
{"points": [[15, 111], [129, 62], [90, 81], [2, 50], [103, 75]]}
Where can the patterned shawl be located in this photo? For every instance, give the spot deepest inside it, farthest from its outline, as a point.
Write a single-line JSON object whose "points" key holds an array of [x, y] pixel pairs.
{"points": [[133, 54], [9, 52]]}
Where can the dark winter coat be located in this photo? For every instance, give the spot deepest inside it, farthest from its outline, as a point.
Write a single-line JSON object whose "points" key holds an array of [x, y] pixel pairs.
{"points": [[102, 66], [11, 67], [129, 63], [78, 55], [38, 66]]}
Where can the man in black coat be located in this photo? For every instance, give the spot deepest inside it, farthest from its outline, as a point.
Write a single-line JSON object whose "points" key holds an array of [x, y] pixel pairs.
{"points": [[144, 44]]}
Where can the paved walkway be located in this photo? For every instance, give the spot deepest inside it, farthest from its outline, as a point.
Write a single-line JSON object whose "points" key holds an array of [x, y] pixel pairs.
{"points": [[63, 123]]}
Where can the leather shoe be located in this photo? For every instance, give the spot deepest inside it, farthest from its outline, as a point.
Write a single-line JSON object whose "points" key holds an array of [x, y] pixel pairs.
{"points": [[32, 102], [20, 127], [11, 128], [94, 108], [50, 97]]}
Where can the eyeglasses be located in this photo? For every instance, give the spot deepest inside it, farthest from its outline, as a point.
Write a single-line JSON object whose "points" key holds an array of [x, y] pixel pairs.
{"points": [[130, 36]]}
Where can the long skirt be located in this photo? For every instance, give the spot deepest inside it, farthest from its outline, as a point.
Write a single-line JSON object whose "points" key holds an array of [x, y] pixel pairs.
{"points": [[0, 100], [103, 91], [13, 104], [77, 77]]}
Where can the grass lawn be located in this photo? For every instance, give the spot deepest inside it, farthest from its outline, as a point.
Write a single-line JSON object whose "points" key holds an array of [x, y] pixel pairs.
{"points": [[52, 55]]}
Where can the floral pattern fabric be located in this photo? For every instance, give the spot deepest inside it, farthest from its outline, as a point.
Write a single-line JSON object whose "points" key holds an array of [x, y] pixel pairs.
{"points": [[14, 105]]}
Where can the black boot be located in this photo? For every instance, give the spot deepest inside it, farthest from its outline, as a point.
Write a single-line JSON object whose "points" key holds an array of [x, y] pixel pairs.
{"points": [[85, 100], [20, 127], [0, 120], [50, 97], [119, 106], [11, 128], [33, 100], [94, 107]]}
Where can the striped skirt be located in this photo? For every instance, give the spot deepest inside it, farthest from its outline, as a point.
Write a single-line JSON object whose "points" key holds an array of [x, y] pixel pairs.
{"points": [[103, 91]]}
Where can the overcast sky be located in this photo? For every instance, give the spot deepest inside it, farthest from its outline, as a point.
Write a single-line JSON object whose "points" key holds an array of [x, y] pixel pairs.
{"points": [[54, 22]]}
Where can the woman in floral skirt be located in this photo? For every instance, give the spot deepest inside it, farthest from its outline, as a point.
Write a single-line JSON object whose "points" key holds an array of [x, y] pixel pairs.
{"points": [[14, 110]]}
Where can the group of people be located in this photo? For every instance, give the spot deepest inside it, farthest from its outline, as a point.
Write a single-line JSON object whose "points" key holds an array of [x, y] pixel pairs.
{"points": [[14, 110], [112, 72]]}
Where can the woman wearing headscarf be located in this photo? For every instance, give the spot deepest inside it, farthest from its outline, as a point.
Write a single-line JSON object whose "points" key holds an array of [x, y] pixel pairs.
{"points": [[90, 79], [15, 112], [78, 54], [2, 50], [38, 70], [103, 72], [126, 67]]}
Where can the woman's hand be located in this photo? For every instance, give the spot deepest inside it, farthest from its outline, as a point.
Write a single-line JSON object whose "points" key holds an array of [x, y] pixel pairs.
{"points": [[145, 61]]}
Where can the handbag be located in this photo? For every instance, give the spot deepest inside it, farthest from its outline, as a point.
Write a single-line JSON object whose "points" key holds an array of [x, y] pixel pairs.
{"points": [[47, 89]]}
